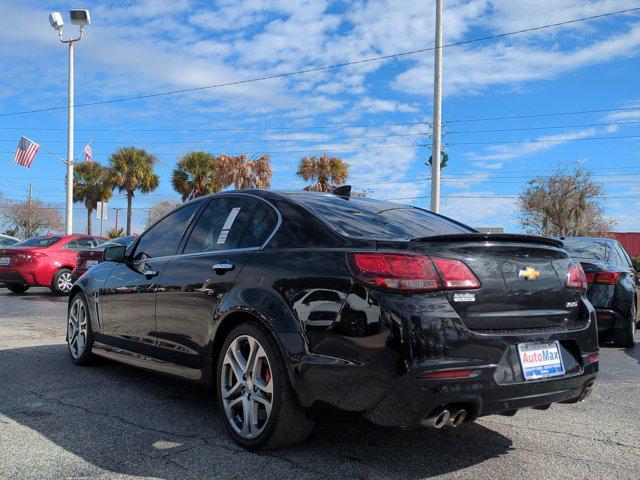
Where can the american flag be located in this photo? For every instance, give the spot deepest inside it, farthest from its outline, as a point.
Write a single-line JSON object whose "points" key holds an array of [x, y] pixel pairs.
{"points": [[87, 151], [25, 152]]}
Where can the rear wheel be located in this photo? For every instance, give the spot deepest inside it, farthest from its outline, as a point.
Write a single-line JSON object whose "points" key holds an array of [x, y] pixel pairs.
{"points": [[258, 404], [626, 337], [17, 287], [62, 282]]}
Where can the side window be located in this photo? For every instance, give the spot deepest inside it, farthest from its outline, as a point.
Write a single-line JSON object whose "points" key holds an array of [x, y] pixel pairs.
{"points": [[164, 237], [230, 223], [72, 245], [626, 260], [86, 243]]}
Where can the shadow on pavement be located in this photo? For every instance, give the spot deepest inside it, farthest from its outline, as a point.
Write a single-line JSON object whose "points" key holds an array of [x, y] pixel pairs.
{"points": [[127, 421], [634, 352]]}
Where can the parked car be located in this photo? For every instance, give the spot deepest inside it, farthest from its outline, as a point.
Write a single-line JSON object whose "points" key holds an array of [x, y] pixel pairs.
{"points": [[466, 324], [93, 256], [45, 260], [6, 240], [613, 286]]}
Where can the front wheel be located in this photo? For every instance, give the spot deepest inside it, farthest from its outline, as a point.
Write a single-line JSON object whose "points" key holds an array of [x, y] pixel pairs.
{"points": [[259, 407], [62, 282], [79, 332], [17, 287]]}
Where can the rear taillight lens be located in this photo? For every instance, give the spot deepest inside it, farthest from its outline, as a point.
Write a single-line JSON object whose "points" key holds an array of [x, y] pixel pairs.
{"points": [[455, 274], [607, 278], [396, 271], [405, 272], [576, 277]]}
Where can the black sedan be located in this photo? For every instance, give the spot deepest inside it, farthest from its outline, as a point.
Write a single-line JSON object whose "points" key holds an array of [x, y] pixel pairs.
{"points": [[93, 256], [418, 319], [613, 286]]}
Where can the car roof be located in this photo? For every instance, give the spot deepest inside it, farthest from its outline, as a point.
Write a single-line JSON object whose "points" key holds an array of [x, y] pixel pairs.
{"points": [[600, 240]]}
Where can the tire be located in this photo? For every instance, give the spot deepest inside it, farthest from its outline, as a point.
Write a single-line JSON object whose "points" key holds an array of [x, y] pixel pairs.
{"points": [[17, 287], [61, 283], [79, 331], [287, 423], [625, 337]]}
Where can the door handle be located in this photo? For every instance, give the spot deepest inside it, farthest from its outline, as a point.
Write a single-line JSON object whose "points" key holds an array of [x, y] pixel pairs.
{"points": [[150, 273], [220, 268]]}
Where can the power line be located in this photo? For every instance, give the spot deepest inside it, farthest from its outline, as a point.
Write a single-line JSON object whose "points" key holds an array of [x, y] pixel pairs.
{"points": [[326, 67], [567, 139], [548, 114], [524, 129]]}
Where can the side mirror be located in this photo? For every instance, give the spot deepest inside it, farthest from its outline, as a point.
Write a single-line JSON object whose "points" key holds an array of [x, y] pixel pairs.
{"points": [[114, 253]]}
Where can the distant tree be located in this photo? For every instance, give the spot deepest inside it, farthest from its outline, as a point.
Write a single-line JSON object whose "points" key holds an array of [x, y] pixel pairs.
{"points": [[326, 172], [115, 233], [566, 203], [195, 175], [30, 217], [12, 232], [245, 173], [132, 170], [444, 158], [158, 210], [91, 184]]}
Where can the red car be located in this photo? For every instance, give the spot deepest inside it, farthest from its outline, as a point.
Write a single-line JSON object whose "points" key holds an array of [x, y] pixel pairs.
{"points": [[46, 261], [89, 258]]}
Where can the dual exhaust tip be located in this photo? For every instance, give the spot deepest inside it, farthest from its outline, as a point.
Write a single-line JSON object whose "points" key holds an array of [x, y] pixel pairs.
{"points": [[442, 417]]}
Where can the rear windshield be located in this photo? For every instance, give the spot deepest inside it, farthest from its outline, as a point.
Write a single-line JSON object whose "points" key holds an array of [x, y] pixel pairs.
{"points": [[586, 250], [38, 241], [367, 218], [126, 241]]}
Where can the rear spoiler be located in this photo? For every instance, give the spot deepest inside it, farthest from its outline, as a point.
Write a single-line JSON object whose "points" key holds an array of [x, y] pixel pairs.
{"points": [[492, 237]]}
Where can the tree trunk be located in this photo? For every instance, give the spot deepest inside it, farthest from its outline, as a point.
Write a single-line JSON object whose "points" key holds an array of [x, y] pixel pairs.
{"points": [[89, 225], [129, 201]]}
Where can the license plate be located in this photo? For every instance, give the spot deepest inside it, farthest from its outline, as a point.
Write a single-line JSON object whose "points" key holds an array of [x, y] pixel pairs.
{"points": [[90, 263], [5, 261], [540, 360]]}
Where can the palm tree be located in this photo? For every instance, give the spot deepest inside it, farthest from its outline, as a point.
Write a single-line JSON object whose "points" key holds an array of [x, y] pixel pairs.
{"points": [[245, 173], [195, 175], [131, 171], [443, 160], [326, 172], [90, 186]]}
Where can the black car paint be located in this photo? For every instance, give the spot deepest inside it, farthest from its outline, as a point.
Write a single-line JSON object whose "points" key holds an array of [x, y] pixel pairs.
{"points": [[367, 360], [613, 303]]}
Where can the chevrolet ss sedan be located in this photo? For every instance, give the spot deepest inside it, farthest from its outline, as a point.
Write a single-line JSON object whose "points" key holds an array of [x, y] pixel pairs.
{"points": [[418, 319]]}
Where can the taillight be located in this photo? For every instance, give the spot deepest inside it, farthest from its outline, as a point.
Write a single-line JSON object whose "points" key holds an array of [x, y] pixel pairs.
{"points": [[576, 277], [455, 275], [607, 278], [406, 272]]}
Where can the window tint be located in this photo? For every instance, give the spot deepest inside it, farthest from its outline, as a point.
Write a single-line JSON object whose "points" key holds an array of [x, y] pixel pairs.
{"points": [[585, 249], [84, 243], [621, 256], [229, 223], [39, 241], [626, 257], [367, 218], [72, 245], [164, 237]]}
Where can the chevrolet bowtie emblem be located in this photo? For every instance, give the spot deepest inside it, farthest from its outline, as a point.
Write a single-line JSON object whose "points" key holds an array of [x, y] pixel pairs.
{"points": [[529, 273]]}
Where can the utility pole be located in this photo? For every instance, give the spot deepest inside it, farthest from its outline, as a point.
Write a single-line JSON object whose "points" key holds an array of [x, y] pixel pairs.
{"points": [[117, 211], [437, 113], [30, 193]]}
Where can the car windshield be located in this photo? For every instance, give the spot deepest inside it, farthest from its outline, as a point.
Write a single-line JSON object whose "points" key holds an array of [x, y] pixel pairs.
{"points": [[585, 249], [39, 241], [366, 218]]}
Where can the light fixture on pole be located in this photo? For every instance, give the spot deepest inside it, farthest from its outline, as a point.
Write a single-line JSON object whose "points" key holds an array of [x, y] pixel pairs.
{"points": [[82, 18]]}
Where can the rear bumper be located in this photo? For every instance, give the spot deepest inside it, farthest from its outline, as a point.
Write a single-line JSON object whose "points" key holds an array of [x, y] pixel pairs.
{"points": [[31, 275], [77, 273], [14, 276], [414, 399], [609, 319]]}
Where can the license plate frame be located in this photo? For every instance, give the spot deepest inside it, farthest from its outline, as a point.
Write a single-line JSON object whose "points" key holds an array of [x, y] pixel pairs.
{"points": [[91, 263], [535, 366], [5, 261]]}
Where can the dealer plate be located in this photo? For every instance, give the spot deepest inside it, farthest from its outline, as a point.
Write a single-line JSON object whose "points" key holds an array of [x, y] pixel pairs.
{"points": [[5, 261], [540, 360]]}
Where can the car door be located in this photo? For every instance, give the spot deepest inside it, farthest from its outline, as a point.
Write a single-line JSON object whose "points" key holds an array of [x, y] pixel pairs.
{"points": [[127, 300], [229, 230]]}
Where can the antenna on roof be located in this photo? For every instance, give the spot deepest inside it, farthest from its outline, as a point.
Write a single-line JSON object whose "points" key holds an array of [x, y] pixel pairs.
{"points": [[342, 191]]}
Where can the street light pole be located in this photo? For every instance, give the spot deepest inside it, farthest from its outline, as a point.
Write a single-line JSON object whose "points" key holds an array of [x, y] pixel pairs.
{"points": [[82, 18], [69, 210], [437, 113]]}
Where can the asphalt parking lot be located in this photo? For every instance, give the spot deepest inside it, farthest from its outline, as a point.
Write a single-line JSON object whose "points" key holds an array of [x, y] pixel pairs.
{"points": [[111, 421]]}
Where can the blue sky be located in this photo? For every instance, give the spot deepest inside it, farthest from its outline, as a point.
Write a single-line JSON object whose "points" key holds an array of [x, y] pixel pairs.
{"points": [[139, 47]]}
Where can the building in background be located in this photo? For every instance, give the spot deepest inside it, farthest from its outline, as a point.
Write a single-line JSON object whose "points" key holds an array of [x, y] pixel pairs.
{"points": [[630, 241], [490, 229]]}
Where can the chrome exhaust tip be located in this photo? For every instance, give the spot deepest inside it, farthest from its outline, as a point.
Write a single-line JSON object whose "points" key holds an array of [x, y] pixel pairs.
{"points": [[457, 417], [437, 419]]}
